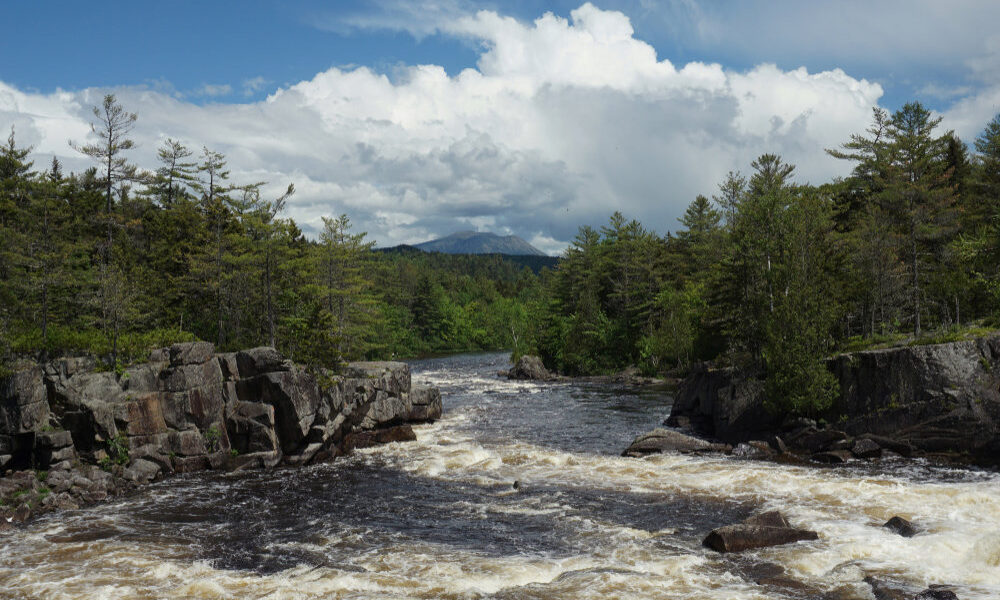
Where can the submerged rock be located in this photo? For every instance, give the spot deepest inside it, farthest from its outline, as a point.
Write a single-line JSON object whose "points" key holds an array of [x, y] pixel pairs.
{"points": [[760, 531]]}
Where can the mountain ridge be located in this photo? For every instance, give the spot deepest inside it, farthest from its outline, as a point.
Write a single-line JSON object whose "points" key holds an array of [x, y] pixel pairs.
{"points": [[480, 242]]}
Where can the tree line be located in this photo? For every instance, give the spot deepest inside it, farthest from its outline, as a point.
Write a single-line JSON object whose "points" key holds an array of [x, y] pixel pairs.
{"points": [[772, 276], [119, 259]]}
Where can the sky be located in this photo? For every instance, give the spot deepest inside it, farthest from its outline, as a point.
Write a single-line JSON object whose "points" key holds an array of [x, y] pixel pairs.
{"points": [[418, 119]]}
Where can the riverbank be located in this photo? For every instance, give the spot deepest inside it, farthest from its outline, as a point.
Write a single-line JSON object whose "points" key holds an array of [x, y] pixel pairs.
{"points": [[940, 401], [71, 435]]}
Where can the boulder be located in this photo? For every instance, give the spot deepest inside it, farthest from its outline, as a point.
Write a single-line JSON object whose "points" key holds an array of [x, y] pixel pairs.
{"points": [[833, 457], [426, 404], [866, 448], [760, 531], [385, 410], [901, 526], [190, 353], [261, 360], [819, 440], [529, 368], [936, 592], [142, 471], [667, 440]]}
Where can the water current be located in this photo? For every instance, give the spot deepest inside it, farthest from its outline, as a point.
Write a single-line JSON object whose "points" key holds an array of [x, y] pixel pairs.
{"points": [[441, 518]]}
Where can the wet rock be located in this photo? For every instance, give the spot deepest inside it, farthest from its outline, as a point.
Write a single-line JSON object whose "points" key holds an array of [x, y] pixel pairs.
{"points": [[866, 448], [760, 531], [142, 471], [900, 526], [883, 590], [899, 447], [777, 444], [820, 440], [936, 592], [529, 368], [753, 449], [667, 440], [190, 353], [833, 457], [846, 593], [367, 439]]}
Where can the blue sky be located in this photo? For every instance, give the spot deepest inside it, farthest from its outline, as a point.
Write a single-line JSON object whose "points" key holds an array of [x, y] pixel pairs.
{"points": [[558, 120]]}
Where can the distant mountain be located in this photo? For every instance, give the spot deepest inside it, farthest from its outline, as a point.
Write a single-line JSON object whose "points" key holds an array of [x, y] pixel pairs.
{"points": [[479, 242]]}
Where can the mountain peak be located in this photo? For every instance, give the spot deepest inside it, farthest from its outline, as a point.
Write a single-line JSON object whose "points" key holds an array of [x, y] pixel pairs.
{"points": [[480, 242]]}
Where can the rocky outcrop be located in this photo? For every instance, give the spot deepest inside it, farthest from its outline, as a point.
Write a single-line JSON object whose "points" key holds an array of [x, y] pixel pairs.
{"points": [[759, 531], [190, 409], [935, 399]]}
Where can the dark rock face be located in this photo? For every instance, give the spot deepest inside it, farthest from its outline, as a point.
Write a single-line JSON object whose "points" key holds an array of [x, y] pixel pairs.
{"points": [[190, 409], [760, 531], [901, 526], [942, 398], [529, 367], [666, 440], [936, 592]]}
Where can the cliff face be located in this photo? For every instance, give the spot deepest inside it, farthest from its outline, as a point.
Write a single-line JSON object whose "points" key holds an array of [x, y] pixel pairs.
{"points": [[936, 398], [189, 409]]}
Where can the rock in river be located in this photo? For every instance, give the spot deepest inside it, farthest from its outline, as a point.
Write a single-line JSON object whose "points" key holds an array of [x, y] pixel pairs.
{"points": [[667, 440], [760, 531]]}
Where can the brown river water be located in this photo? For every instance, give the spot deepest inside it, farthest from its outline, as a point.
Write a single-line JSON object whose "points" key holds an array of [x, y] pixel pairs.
{"points": [[439, 517]]}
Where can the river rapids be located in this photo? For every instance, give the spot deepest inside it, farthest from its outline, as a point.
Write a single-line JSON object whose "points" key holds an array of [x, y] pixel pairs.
{"points": [[441, 518]]}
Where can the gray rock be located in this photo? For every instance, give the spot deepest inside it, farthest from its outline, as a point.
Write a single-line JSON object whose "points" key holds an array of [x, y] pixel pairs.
{"points": [[941, 398], [760, 531], [24, 404], [426, 404], [388, 376], [187, 443], [142, 471], [190, 353], [529, 368], [258, 361], [666, 440], [54, 439], [866, 448], [295, 398]]}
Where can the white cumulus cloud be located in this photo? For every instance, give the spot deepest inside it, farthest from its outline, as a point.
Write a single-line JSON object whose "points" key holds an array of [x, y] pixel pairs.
{"points": [[562, 121]]}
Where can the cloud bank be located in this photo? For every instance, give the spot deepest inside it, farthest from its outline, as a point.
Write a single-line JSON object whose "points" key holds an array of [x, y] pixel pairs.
{"points": [[563, 121]]}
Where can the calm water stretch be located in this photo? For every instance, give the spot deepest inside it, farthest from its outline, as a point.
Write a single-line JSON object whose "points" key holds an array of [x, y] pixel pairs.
{"points": [[439, 517]]}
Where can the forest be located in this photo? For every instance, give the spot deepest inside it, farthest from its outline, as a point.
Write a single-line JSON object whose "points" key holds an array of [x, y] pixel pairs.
{"points": [[768, 275], [119, 259], [772, 276]]}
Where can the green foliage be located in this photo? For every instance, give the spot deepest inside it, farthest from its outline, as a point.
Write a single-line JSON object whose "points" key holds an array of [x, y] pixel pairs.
{"points": [[212, 436], [117, 449], [41, 475]]}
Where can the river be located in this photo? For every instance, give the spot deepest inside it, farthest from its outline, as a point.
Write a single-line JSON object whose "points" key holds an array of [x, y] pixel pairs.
{"points": [[441, 518]]}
